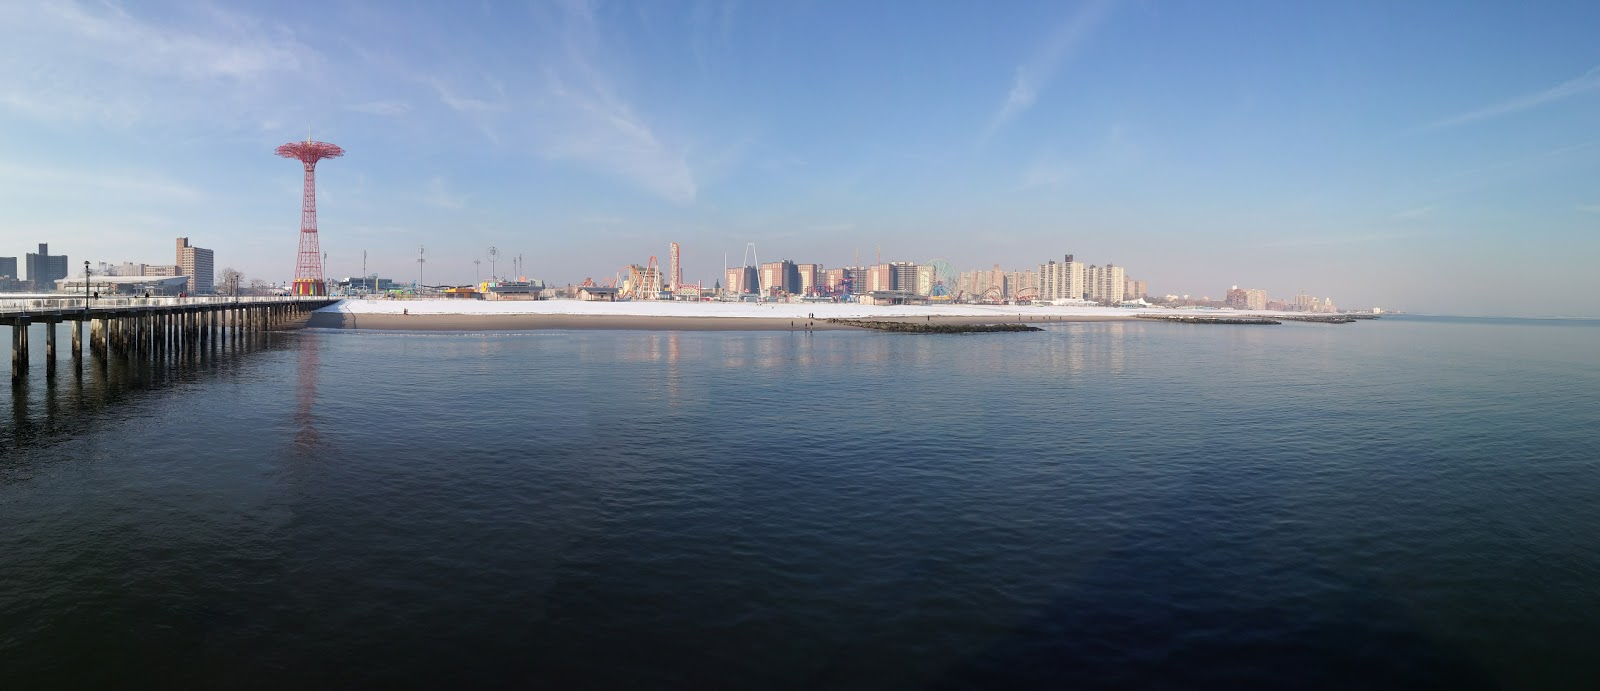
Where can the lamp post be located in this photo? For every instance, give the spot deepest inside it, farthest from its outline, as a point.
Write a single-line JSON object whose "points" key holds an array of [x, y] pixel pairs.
{"points": [[86, 284]]}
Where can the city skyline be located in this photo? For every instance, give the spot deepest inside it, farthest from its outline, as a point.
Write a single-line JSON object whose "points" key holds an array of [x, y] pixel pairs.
{"points": [[1383, 155]]}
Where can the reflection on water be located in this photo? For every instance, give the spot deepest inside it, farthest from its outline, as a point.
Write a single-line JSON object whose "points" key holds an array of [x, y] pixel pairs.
{"points": [[1095, 505], [306, 438], [45, 409]]}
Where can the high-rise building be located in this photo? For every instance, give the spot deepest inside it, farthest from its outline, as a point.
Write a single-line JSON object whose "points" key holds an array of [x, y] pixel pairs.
{"points": [[925, 279], [8, 266], [1062, 281], [1237, 299], [1255, 299], [812, 278], [674, 268], [195, 263], [856, 279], [879, 277], [741, 280], [44, 268], [1106, 284], [779, 278], [903, 276], [1133, 289], [1114, 283], [1022, 283]]}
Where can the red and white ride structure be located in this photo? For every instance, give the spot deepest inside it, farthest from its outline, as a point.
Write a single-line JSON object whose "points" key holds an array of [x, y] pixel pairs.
{"points": [[308, 278]]}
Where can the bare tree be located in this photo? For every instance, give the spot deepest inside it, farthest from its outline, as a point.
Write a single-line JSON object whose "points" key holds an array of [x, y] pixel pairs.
{"points": [[228, 281]]}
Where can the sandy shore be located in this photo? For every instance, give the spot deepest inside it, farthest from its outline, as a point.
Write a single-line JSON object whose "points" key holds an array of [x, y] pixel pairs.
{"points": [[520, 322]]}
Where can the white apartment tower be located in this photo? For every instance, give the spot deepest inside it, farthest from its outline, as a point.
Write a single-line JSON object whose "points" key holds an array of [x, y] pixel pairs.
{"points": [[1107, 283], [1061, 280]]}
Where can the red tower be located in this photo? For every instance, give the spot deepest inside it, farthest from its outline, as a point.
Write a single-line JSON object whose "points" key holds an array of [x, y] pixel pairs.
{"points": [[308, 268]]}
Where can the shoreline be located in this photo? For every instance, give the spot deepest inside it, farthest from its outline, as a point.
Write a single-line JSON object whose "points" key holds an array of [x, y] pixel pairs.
{"points": [[625, 322]]}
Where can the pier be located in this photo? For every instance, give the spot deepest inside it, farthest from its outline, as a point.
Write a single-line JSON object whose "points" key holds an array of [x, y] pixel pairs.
{"points": [[145, 327]]}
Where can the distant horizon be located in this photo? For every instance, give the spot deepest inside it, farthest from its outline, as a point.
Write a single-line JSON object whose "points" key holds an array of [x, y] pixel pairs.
{"points": [[1377, 154]]}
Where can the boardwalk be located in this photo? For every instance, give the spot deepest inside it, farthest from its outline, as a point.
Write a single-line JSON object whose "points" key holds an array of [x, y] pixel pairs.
{"points": [[143, 327]]}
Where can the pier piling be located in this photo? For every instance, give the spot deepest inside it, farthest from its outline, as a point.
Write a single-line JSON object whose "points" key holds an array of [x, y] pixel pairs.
{"points": [[144, 328]]}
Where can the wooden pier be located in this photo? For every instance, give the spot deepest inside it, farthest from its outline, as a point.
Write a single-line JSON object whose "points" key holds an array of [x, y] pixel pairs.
{"points": [[145, 327]]}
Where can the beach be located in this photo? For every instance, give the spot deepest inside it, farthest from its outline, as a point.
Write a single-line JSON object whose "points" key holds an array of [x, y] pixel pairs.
{"points": [[472, 315]]}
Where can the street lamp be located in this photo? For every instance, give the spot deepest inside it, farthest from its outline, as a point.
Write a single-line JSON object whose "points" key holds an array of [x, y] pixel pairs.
{"points": [[85, 283]]}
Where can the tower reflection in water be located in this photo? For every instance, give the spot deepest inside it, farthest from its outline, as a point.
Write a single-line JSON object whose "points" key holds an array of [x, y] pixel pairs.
{"points": [[306, 437]]}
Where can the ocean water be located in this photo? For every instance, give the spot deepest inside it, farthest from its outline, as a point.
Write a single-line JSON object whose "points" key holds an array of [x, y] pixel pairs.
{"points": [[1406, 503]]}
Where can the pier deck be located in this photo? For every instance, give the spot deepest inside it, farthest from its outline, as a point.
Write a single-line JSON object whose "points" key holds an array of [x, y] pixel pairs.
{"points": [[134, 326]]}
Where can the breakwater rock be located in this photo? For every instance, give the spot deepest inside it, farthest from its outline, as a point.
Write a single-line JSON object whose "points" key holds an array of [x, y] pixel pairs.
{"points": [[1321, 318], [926, 328]]}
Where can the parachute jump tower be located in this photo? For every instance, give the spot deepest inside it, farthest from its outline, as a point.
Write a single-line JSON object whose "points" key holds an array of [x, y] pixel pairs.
{"points": [[308, 268]]}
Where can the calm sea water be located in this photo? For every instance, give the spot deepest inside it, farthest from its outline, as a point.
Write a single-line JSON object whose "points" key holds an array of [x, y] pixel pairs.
{"points": [[1406, 503]]}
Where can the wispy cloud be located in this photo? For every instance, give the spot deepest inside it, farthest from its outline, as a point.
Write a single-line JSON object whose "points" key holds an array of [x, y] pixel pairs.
{"points": [[438, 194], [588, 121], [1415, 213], [386, 108], [463, 104], [70, 61], [711, 22], [91, 184], [1336, 240], [1047, 172], [1589, 208], [1031, 77], [1587, 82]]}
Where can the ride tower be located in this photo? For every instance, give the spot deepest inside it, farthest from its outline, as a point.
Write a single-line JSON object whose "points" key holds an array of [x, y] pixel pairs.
{"points": [[308, 278]]}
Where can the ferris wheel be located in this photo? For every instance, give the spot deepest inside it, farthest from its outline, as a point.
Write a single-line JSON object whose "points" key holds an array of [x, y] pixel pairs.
{"points": [[944, 279]]}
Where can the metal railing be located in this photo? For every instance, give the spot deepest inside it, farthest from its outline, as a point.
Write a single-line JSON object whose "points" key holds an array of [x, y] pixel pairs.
{"points": [[66, 303]]}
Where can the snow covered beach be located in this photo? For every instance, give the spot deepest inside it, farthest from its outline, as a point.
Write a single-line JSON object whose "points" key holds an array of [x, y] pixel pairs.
{"points": [[653, 315]]}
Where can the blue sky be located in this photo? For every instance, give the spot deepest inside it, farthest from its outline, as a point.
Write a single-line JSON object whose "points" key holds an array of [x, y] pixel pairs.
{"points": [[1428, 156]]}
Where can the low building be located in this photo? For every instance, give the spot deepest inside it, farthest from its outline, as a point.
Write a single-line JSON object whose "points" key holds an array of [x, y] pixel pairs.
{"points": [[510, 290], [125, 285], [597, 294], [892, 297]]}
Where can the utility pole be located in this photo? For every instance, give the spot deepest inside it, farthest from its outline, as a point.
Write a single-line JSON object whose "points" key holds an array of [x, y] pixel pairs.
{"points": [[420, 260], [476, 278], [364, 270]]}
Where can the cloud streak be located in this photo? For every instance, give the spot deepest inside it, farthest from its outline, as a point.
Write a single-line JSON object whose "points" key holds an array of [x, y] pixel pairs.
{"points": [[385, 108], [1031, 77], [1588, 81], [439, 194], [69, 61], [588, 121], [81, 184]]}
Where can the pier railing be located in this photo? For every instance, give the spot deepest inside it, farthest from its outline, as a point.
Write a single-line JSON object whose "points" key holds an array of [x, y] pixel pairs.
{"points": [[31, 305]]}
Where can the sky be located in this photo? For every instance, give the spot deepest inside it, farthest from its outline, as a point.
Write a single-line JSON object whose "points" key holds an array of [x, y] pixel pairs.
{"points": [[1426, 156]]}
